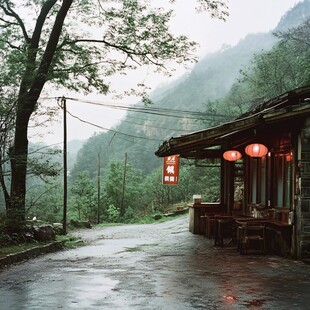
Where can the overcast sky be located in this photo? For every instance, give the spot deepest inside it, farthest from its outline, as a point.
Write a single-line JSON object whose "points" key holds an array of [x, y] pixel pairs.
{"points": [[245, 16]]}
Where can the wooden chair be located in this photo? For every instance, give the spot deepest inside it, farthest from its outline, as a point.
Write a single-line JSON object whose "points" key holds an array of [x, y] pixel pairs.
{"points": [[210, 220], [224, 229], [251, 236]]}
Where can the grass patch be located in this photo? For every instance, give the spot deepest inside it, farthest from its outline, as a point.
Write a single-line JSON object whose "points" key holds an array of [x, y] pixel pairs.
{"points": [[109, 224], [70, 242]]}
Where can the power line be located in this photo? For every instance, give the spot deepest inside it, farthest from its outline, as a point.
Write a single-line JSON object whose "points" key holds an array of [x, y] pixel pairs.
{"points": [[147, 110], [158, 111], [125, 139], [145, 119], [139, 118], [111, 130], [151, 126], [31, 151]]}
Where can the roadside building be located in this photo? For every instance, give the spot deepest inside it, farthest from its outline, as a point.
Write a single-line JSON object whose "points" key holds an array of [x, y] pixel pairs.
{"points": [[266, 169]]}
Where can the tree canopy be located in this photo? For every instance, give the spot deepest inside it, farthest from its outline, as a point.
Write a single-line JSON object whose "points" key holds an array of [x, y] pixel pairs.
{"points": [[77, 44]]}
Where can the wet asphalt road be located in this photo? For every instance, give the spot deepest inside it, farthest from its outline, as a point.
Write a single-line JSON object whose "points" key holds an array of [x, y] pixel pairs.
{"points": [[157, 266]]}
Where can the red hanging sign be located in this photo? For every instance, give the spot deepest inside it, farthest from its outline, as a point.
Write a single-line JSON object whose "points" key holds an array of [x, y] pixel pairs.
{"points": [[171, 170]]}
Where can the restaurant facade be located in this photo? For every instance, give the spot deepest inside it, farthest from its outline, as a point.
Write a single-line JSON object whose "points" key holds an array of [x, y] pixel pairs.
{"points": [[264, 158]]}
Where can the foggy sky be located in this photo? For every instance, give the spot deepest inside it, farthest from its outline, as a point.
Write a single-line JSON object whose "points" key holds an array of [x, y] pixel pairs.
{"points": [[246, 16]]}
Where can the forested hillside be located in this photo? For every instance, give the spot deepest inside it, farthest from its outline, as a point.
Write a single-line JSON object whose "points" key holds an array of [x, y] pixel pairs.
{"points": [[211, 79]]}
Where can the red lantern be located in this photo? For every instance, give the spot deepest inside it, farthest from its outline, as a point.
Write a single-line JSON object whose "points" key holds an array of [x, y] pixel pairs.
{"points": [[256, 150], [232, 155]]}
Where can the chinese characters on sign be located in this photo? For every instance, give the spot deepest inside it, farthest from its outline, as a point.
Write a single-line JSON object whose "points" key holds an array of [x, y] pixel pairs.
{"points": [[171, 170]]}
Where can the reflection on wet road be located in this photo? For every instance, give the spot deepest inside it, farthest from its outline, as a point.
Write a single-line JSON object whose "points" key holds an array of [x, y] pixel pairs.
{"points": [[157, 266]]}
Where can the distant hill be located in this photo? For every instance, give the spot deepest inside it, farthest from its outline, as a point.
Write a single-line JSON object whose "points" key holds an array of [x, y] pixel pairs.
{"points": [[211, 78], [295, 16], [73, 148]]}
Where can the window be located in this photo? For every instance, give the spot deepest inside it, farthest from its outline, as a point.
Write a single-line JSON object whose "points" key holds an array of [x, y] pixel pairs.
{"points": [[271, 180], [258, 180], [279, 175], [282, 176], [262, 188]]}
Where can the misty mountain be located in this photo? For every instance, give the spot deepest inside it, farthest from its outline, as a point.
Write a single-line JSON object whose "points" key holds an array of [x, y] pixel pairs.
{"points": [[43, 152], [295, 16], [212, 77], [73, 147]]}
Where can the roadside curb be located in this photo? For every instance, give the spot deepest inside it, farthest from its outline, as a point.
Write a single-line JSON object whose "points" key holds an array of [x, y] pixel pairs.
{"points": [[31, 253], [171, 214]]}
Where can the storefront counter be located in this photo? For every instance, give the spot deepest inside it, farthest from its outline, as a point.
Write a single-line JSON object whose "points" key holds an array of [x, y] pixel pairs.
{"points": [[197, 216]]}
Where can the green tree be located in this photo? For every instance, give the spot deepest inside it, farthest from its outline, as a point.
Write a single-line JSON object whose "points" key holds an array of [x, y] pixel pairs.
{"points": [[113, 185], [41, 45], [45, 200], [283, 68], [84, 197], [130, 196], [155, 194], [192, 180]]}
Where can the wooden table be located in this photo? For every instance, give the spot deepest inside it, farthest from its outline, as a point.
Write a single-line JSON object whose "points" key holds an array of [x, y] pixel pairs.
{"points": [[278, 234], [250, 234]]}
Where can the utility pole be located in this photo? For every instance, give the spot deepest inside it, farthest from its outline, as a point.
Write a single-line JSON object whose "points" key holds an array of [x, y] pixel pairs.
{"points": [[98, 210], [124, 180], [64, 225]]}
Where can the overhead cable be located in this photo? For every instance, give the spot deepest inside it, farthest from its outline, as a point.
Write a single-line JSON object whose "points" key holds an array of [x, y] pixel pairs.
{"points": [[111, 130], [157, 111]]}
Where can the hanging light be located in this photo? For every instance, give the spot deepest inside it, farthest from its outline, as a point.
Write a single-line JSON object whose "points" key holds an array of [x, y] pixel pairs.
{"points": [[289, 156], [256, 150], [232, 155]]}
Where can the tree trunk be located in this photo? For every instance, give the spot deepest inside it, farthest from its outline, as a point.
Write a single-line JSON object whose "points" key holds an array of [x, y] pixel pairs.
{"points": [[7, 197], [19, 154], [29, 94]]}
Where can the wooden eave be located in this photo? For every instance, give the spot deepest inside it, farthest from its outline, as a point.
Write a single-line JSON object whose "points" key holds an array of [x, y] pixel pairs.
{"points": [[239, 131]]}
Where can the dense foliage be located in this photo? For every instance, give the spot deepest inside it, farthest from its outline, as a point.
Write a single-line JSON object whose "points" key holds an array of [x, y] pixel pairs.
{"points": [[77, 45]]}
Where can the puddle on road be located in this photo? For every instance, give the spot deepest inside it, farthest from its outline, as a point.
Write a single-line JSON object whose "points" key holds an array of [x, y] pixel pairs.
{"points": [[90, 285]]}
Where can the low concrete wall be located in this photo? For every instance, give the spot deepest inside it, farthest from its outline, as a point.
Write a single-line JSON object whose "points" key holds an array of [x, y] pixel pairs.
{"points": [[30, 253]]}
